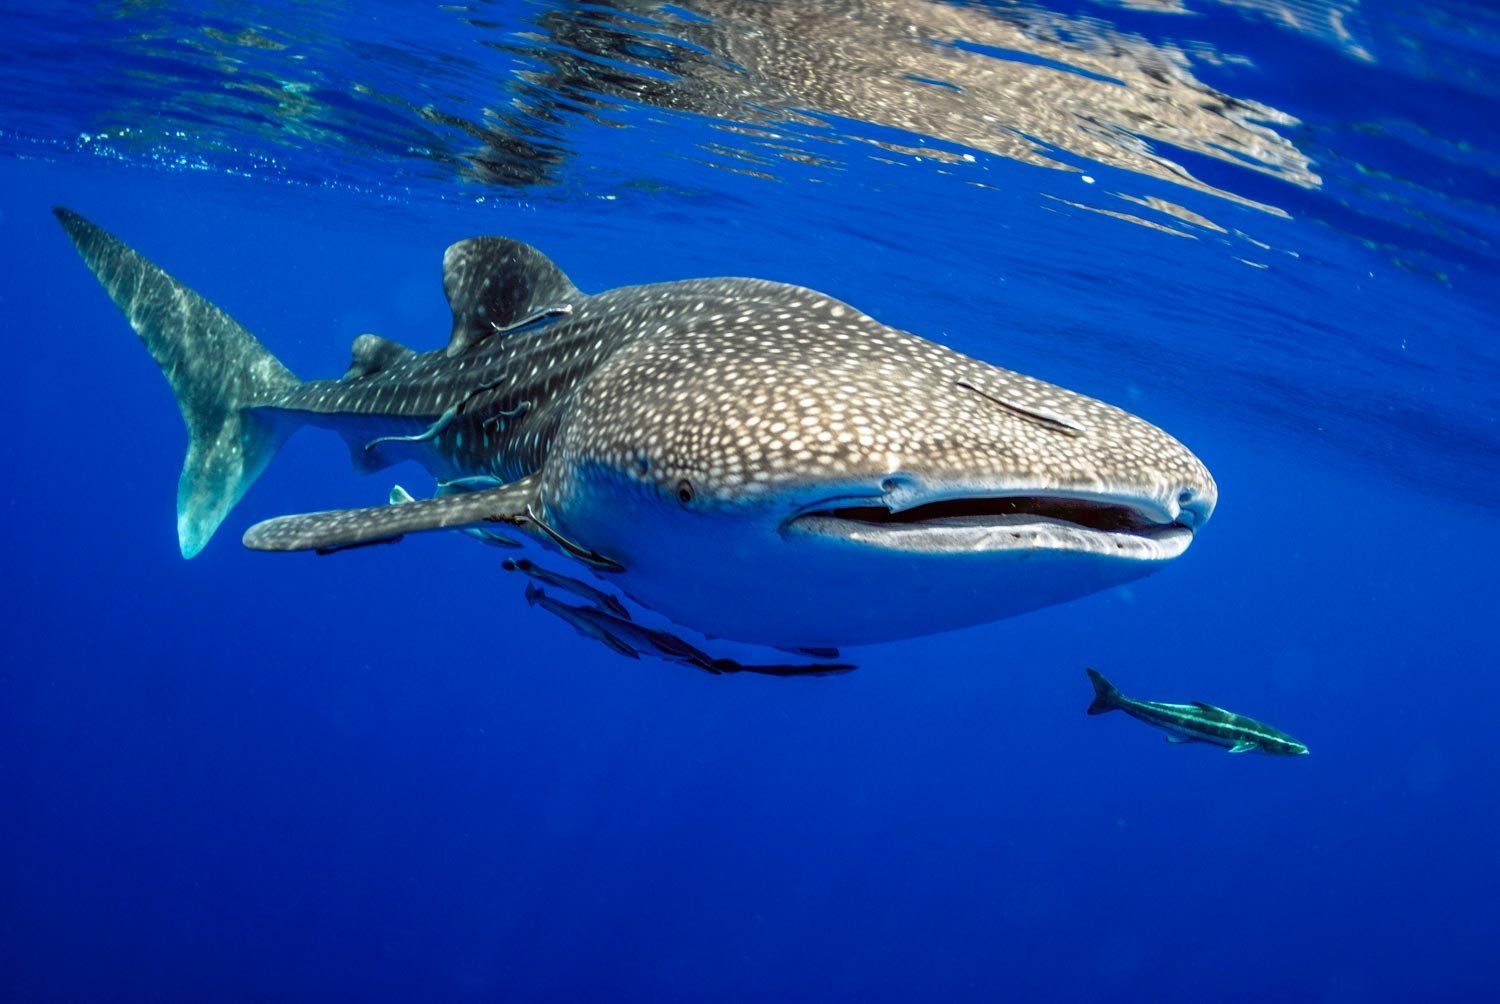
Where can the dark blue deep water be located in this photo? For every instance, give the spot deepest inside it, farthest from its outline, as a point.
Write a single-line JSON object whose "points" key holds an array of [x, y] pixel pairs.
{"points": [[1268, 227]]}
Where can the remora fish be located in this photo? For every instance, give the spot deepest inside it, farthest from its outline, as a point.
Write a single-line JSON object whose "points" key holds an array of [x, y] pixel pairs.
{"points": [[1196, 722], [753, 460], [597, 597], [634, 640]]}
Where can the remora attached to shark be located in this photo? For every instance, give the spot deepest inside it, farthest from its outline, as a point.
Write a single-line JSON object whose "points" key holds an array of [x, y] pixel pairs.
{"points": [[753, 460]]}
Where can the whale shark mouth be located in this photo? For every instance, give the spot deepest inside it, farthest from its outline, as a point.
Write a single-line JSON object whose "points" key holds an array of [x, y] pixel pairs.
{"points": [[1009, 523]]}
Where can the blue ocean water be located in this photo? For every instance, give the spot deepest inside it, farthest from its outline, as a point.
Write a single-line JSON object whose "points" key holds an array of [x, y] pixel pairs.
{"points": [[1269, 228]]}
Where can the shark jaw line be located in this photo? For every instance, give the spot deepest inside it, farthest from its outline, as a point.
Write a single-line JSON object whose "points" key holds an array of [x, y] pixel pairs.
{"points": [[1027, 521]]}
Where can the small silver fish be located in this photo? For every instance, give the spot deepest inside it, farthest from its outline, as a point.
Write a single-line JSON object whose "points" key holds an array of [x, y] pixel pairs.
{"points": [[1196, 722]]}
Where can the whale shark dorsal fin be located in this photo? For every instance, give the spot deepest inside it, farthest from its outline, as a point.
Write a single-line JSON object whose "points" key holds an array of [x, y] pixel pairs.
{"points": [[495, 284], [338, 529], [370, 354]]}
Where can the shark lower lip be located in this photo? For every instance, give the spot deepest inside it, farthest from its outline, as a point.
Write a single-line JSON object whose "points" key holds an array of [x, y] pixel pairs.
{"points": [[1002, 525]]}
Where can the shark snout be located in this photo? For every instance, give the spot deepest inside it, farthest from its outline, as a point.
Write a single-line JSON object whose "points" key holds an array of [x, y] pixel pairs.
{"points": [[1194, 507], [1197, 493]]}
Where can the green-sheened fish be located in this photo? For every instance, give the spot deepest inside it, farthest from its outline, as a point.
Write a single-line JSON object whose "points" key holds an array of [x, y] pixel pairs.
{"points": [[1196, 722]]}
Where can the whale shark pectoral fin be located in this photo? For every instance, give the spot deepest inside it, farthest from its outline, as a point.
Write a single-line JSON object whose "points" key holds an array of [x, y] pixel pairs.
{"points": [[400, 496], [342, 528], [1242, 747]]}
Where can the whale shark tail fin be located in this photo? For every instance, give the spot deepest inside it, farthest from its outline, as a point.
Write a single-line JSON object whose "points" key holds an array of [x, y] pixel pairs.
{"points": [[219, 372], [1106, 696]]}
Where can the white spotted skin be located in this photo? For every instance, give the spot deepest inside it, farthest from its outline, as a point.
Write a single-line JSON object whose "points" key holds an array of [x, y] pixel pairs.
{"points": [[770, 405], [751, 397]]}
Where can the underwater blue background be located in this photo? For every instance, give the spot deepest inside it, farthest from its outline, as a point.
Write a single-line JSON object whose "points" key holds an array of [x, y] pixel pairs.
{"points": [[380, 775]]}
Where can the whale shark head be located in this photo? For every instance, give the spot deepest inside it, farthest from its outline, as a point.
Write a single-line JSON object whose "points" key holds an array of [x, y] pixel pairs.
{"points": [[773, 465]]}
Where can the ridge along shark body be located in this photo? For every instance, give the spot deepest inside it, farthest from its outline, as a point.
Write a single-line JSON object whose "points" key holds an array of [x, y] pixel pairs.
{"points": [[1196, 722], [753, 460]]}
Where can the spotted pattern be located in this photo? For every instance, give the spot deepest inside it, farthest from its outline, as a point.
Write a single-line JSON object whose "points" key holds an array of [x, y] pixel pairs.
{"points": [[353, 527], [494, 282], [715, 392], [742, 388]]}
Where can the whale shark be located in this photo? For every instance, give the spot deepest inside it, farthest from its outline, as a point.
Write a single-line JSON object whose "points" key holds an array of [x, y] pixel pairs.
{"points": [[751, 460]]}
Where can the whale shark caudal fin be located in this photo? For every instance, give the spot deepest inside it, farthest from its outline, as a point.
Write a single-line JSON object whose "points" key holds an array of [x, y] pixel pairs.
{"points": [[218, 370], [1106, 696]]}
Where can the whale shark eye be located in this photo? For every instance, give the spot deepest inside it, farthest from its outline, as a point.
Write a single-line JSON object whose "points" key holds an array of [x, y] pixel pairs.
{"points": [[684, 491]]}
